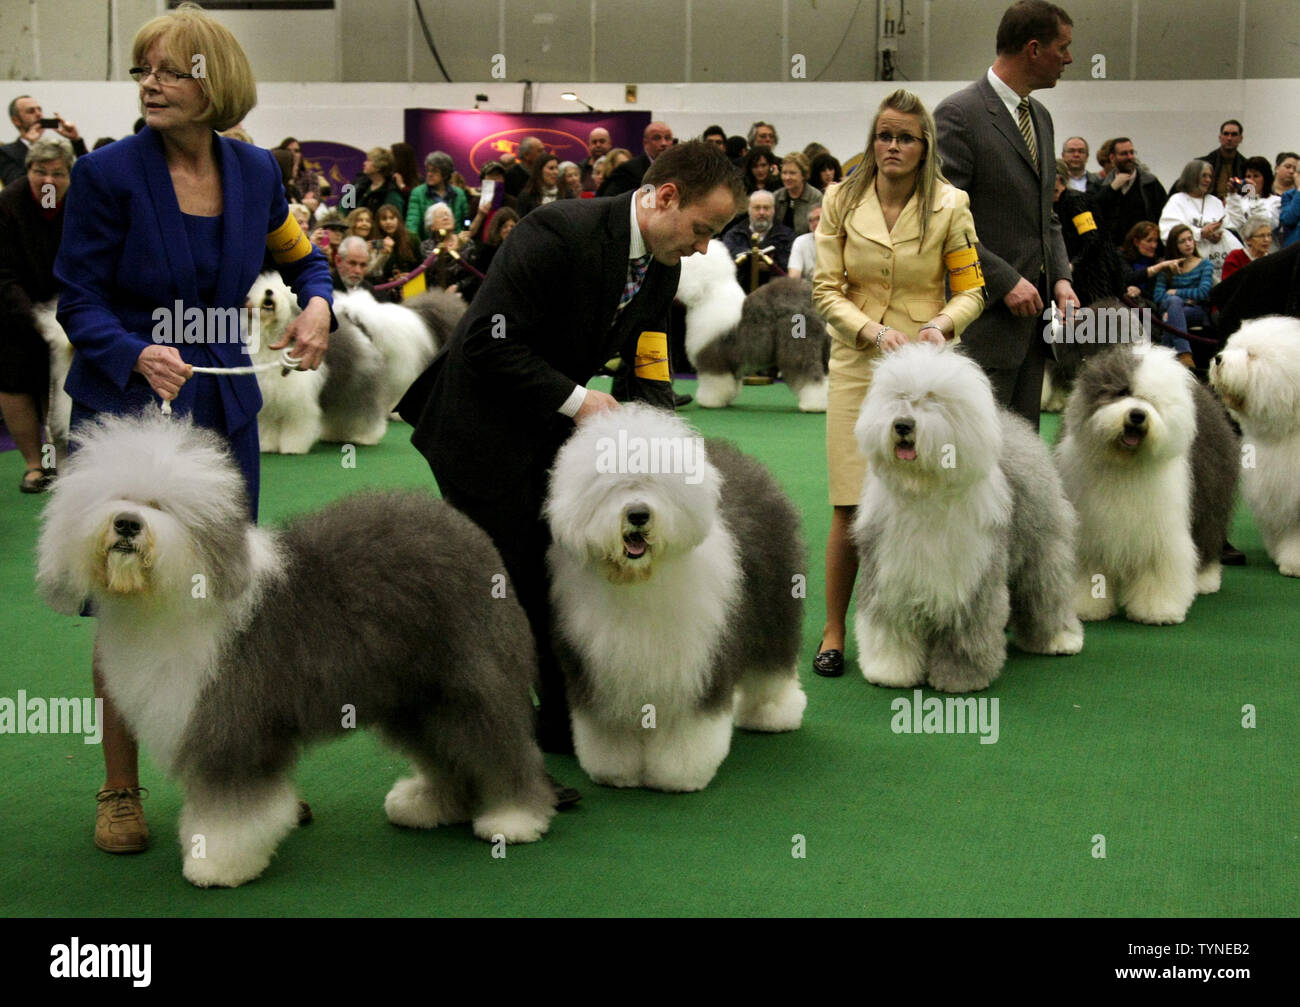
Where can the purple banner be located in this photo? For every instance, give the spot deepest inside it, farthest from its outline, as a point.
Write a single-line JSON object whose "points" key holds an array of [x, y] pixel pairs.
{"points": [[337, 163], [473, 138]]}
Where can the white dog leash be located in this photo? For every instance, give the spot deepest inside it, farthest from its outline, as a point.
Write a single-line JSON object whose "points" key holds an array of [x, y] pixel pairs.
{"points": [[287, 362]]}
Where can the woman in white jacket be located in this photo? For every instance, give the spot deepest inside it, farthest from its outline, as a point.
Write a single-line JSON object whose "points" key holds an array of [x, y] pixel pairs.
{"points": [[1202, 211]]}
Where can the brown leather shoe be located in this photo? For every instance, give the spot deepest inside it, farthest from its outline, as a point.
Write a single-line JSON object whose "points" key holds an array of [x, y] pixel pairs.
{"points": [[119, 822]]}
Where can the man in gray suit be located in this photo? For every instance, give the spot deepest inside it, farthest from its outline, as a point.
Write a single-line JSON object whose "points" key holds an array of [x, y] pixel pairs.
{"points": [[997, 144]]}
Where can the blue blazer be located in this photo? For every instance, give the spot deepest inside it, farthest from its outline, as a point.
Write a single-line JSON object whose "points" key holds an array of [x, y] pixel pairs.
{"points": [[125, 254]]}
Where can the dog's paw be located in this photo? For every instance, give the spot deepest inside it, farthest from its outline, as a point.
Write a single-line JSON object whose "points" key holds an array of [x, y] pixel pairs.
{"points": [[1156, 613], [1210, 578], [1089, 608], [891, 674], [414, 804], [1066, 641], [512, 823], [204, 872], [1287, 569], [782, 712]]}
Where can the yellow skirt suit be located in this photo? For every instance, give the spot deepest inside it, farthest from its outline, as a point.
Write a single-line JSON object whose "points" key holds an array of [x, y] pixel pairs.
{"points": [[865, 272]]}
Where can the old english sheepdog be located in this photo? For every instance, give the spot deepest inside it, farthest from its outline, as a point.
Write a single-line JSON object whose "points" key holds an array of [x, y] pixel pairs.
{"points": [[1150, 462], [1258, 377], [348, 399], [289, 422], [227, 647], [677, 566], [407, 334], [962, 529], [729, 335]]}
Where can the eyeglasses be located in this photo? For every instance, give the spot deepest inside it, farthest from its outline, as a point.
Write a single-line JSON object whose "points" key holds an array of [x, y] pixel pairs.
{"points": [[164, 75], [904, 139]]}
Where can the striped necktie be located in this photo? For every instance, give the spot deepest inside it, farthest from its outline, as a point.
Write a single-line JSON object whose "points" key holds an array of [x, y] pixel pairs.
{"points": [[635, 274], [1027, 129]]}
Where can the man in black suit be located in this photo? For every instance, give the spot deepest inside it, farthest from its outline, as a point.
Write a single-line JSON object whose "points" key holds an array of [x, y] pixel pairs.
{"points": [[657, 138], [517, 174], [25, 113], [578, 283], [997, 144]]}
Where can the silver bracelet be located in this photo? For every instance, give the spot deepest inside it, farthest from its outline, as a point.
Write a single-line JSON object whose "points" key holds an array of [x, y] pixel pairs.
{"points": [[883, 330]]}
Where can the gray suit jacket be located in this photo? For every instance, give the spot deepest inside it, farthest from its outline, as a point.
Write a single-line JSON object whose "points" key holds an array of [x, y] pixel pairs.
{"points": [[1019, 235]]}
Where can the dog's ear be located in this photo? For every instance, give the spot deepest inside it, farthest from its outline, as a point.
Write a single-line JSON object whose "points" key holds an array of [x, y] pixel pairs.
{"points": [[227, 556]]}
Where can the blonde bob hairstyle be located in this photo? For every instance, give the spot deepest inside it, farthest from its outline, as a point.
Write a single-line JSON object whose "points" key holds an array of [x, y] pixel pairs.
{"points": [[227, 81], [928, 175]]}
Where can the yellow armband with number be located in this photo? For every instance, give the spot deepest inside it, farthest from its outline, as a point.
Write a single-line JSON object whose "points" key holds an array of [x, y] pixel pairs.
{"points": [[287, 243], [964, 272], [652, 356], [1084, 222]]}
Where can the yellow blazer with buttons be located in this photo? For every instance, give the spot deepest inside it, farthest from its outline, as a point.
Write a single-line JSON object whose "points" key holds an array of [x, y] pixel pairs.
{"points": [[866, 272], [869, 273]]}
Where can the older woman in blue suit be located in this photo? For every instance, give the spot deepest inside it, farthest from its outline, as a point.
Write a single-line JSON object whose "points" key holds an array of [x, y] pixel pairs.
{"points": [[164, 234]]}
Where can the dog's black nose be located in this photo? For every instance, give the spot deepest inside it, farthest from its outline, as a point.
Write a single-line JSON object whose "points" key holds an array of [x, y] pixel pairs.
{"points": [[1218, 359], [1137, 417], [905, 426], [127, 525], [638, 515]]}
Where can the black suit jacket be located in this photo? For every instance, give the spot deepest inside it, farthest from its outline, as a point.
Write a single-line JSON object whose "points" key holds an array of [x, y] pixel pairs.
{"points": [[545, 319], [626, 177]]}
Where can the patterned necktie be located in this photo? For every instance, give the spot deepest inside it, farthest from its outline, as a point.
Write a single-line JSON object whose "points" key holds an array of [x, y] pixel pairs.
{"points": [[1027, 129], [635, 274]]}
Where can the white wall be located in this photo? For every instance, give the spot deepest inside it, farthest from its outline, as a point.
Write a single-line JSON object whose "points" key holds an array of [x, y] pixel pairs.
{"points": [[1169, 121]]}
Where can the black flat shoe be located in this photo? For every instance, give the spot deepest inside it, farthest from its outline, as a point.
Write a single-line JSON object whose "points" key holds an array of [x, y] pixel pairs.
{"points": [[681, 400], [829, 664], [1229, 556], [565, 797]]}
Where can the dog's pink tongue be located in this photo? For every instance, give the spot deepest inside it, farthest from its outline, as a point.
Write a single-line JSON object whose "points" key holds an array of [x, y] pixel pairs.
{"points": [[635, 546], [907, 454], [1132, 440]]}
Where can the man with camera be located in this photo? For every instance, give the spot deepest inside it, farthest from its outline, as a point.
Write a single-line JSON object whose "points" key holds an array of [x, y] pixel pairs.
{"points": [[25, 113]]}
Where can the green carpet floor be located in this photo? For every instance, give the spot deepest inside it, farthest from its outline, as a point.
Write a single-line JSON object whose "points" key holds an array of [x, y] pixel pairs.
{"points": [[1139, 740]]}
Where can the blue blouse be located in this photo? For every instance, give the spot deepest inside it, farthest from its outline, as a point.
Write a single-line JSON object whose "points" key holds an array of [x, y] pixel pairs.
{"points": [[204, 235]]}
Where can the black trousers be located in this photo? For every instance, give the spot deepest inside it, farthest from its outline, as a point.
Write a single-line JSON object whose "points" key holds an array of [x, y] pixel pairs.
{"points": [[514, 523]]}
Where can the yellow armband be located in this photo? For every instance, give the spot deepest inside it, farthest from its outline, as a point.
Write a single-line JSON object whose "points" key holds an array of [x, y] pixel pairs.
{"points": [[1084, 222], [287, 243], [964, 272], [652, 356]]}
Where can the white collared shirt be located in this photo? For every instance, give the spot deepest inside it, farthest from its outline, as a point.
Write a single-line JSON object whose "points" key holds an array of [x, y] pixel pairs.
{"points": [[1009, 97]]}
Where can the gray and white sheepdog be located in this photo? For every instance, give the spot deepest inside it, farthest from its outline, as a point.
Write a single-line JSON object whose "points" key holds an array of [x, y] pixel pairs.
{"points": [[1258, 377], [962, 529], [1150, 462], [227, 647], [730, 335], [677, 569]]}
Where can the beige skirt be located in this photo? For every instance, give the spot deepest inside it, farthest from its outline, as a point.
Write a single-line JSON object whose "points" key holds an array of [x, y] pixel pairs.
{"points": [[850, 377]]}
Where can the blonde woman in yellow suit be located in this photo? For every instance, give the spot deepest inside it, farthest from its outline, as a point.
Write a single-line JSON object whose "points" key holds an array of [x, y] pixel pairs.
{"points": [[880, 283]]}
